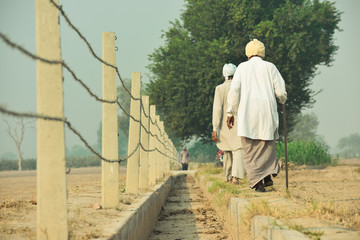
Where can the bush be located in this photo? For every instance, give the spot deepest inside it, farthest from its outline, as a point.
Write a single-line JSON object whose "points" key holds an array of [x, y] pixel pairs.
{"points": [[309, 152], [71, 162], [9, 165], [29, 164], [85, 161], [203, 152]]}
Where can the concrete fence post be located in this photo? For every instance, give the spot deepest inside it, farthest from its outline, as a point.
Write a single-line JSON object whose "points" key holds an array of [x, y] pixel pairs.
{"points": [[163, 150], [166, 149], [175, 154], [144, 155], [110, 170], [51, 179], [152, 145], [132, 170], [168, 153], [159, 147]]}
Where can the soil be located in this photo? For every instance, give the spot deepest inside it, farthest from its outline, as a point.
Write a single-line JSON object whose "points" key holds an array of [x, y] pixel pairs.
{"points": [[337, 187], [188, 215], [333, 192]]}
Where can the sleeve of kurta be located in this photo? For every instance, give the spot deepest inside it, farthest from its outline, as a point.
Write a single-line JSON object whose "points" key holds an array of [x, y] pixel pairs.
{"points": [[279, 85], [233, 95], [217, 110]]}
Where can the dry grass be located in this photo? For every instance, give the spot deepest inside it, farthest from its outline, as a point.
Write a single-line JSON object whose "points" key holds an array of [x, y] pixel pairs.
{"points": [[343, 210]]}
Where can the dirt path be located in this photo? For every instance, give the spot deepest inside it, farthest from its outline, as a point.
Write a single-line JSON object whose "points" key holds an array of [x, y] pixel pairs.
{"points": [[187, 214]]}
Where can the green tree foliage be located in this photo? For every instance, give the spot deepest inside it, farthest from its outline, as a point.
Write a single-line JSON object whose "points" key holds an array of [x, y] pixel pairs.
{"points": [[78, 151], [350, 146], [305, 127], [298, 36], [203, 152]]}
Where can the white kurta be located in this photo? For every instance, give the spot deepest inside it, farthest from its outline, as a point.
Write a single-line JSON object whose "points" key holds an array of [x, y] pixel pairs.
{"points": [[258, 82], [228, 139]]}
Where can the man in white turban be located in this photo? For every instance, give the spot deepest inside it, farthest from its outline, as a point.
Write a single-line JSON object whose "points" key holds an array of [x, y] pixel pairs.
{"points": [[258, 82], [227, 140]]}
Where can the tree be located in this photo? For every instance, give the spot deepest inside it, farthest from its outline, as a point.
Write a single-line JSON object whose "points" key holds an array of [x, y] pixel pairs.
{"points": [[305, 127], [298, 36], [17, 135], [78, 151], [200, 152], [350, 146]]}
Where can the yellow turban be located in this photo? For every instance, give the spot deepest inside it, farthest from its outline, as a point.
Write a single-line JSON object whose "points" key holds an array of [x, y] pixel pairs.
{"points": [[255, 47]]}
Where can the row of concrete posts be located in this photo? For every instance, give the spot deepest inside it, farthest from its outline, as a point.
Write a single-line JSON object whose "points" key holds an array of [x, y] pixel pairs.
{"points": [[149, 148]]}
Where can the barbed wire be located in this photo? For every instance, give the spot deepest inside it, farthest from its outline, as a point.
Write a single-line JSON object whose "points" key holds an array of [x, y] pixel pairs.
{"points": [[67, 19], [144, 127], [62, 62], [68, 124], [91, 48], [72, 73]]}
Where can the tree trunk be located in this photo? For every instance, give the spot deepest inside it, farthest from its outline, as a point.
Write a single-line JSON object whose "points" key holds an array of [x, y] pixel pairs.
{"points": [[20, 157]]}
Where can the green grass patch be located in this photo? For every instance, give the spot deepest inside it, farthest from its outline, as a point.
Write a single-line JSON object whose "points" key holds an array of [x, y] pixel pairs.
{"points": [[310, 152], [212, 170], [314, 235]]}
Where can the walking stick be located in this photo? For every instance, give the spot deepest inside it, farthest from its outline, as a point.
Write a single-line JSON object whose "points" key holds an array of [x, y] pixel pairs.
{"points": [[285, 141]]}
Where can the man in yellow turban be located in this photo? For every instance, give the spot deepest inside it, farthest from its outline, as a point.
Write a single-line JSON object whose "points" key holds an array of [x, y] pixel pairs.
{"points": [[258, 82]]}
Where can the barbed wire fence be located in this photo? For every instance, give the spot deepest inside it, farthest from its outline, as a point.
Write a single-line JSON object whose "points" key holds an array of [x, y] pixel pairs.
{"points": [[163, 148], [97, 98]]}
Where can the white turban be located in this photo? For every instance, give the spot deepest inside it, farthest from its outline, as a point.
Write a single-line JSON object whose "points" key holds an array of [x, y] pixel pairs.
{"points": [[228, 70], [255, 47]]}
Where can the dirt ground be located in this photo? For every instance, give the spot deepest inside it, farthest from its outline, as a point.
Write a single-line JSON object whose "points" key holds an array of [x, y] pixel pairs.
{"points": [[18, 204], [188, 214], [335, 188], [333, 192]]}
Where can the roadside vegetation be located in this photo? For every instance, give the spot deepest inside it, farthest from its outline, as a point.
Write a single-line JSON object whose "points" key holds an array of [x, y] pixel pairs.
{"points": [[71, 162], [310, 152], [220, 193]]}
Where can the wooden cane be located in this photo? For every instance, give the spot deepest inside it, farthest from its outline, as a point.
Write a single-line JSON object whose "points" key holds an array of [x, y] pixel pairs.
{"points": [[285, 141]]}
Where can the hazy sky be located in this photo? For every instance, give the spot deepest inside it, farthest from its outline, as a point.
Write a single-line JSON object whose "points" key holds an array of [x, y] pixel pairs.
{"points": [[138, 25]]}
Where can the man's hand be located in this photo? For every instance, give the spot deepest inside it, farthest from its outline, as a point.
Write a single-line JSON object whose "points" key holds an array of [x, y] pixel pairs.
{"points": [[230, 122], [214, 136]]}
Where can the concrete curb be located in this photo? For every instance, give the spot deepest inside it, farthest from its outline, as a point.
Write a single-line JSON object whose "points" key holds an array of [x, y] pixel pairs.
{"points": [[263, 227], [267, 228], [140, 220]]}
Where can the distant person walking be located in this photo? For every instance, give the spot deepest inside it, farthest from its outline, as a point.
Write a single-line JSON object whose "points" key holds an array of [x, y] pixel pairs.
{"points": [[184, 159], [257, 82], [226, 139]]}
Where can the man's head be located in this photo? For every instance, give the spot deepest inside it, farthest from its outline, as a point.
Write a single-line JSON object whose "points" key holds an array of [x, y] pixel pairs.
{"points": [[255, 48], [184, 148], [228, 70]]}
